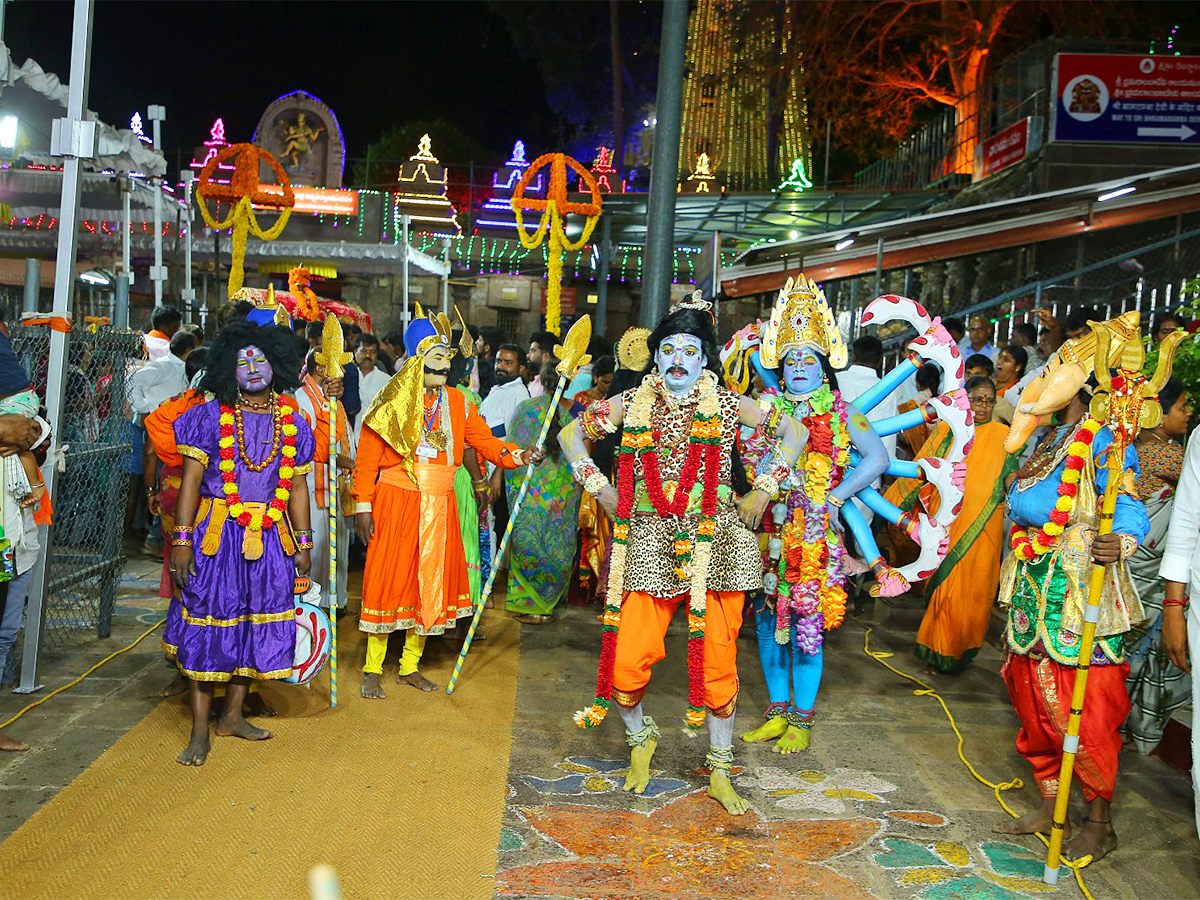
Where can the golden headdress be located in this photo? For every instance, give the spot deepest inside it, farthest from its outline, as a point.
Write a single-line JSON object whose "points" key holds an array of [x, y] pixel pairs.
{"points": [[395, 413], [1118, 341], [633, 349], [801, 318]]}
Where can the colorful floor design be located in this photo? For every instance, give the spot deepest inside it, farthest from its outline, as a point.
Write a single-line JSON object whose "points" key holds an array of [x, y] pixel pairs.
{"points": [[831, 833]]}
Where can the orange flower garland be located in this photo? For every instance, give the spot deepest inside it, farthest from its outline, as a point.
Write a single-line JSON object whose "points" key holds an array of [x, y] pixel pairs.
{"points": [[308, 306], [1028, 546]]}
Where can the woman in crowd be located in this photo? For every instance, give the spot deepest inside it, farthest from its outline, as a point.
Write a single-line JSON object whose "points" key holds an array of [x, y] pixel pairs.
{"points": [[962, 590], [602, 376], [1010, 369], [1157, 687], [543, 539]]}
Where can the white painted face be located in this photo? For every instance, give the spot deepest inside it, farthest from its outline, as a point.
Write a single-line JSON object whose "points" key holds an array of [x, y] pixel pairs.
{"points": [[681, 360], [437, 366], [802, 372]]}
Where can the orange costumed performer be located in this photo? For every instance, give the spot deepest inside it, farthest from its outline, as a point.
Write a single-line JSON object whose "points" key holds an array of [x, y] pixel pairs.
{"points": [[412, 443]]}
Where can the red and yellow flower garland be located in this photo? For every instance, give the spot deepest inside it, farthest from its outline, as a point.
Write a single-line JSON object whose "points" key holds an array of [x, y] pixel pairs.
{"points": [[1029, 546], [287, 469], [703, 456]]}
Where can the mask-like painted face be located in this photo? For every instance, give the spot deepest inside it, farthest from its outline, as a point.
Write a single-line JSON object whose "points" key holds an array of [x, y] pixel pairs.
{"points": [[437, 367], [254, 373], [681, 360], [802, 372]]}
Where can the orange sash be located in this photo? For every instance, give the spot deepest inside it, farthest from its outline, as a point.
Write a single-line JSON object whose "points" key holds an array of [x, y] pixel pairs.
{"points": [[435, 482]]}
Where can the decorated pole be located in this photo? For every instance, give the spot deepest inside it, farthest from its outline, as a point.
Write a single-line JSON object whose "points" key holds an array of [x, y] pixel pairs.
{"points": [[553, 210], [572, 353], [1126, 402], [332, 357]]}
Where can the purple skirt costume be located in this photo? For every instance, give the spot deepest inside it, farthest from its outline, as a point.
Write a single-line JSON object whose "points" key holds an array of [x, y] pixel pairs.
{"points": [[236, 616]]}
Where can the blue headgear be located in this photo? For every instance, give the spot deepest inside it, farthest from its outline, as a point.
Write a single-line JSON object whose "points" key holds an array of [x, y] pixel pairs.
{"points": [[419, 336]]}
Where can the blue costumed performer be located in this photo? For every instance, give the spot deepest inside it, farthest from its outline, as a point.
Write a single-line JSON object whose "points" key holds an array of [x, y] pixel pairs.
{"points": [[807, 564], [246, 455]]}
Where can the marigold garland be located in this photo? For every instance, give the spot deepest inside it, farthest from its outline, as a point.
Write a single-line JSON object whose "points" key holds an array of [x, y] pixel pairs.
{"points": [[1029, 546], [228, 451], [703, 456], [308, 306]]}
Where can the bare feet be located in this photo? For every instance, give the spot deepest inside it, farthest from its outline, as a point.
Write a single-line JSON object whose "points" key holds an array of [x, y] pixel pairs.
{"points": [[372, 687], [239, 727], [177, 686], [793, 741], [639, 767], [774, 727], [1095, 839], [1032, 822], [11, 743], [196, 752], [530, 619], [417, 680], [721, 790]]}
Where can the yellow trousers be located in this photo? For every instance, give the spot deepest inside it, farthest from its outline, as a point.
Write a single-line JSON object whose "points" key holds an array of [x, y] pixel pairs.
{"points": [[410, 657]]}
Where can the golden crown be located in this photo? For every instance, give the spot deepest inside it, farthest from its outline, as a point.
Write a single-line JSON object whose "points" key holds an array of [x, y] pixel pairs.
{"points": [[801, 318]]}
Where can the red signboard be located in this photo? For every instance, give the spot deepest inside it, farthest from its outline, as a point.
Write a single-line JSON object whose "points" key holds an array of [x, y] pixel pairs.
{"points": [[1126, 98], [319, 200], [1004, 149], [567, 301]]}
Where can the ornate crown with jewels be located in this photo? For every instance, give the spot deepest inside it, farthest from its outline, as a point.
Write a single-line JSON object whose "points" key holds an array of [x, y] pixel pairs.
{"points": [[802, 318]]}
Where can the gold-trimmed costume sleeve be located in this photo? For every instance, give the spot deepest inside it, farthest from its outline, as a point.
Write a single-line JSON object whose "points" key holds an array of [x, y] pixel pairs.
{"points": [[304, 468], [193, 453]]}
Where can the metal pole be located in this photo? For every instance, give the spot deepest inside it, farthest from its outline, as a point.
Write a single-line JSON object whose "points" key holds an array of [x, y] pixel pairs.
{"points": [[446, 277], [404, 223], [879, 267], [664, 168], [828, 138], [158, 274], [602, 273], [33, 273], [189, 292], [74, 139]]}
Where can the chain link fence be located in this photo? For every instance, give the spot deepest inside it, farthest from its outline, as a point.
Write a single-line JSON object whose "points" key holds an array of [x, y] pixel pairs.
{"points": [[95, 438]]}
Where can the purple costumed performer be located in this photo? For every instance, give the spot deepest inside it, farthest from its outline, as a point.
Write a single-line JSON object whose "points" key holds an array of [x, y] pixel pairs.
{"points": [[246, 455]]}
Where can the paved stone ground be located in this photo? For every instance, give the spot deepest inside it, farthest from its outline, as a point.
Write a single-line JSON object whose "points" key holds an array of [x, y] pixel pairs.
{"points": [[879, 806], [68, 732]]}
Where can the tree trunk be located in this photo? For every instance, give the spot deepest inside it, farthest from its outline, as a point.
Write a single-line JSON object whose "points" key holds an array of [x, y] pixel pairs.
{"points": [[614, 29]]}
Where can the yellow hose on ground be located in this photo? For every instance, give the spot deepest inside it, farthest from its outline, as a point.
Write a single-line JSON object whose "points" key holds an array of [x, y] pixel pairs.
{"points": [[71, 684], [881, 657]]}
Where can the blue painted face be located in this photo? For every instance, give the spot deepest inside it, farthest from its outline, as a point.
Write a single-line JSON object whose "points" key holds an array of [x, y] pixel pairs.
{"points": [[681, 360], [802, 372]]}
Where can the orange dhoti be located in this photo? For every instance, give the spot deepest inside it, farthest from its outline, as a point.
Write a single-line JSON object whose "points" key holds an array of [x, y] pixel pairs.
{"points": [[644, 621], [1041, 691], [416, 571]]}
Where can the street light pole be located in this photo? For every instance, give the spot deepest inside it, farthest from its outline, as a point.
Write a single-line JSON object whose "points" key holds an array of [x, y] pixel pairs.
{"points": [[74, 139], [158, 274], [189, 292], [664, 167]]}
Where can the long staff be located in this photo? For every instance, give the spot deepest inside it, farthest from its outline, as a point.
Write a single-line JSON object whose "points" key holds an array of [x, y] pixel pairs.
{"points": [[1119, 401], [572, 355], [332, 357]]}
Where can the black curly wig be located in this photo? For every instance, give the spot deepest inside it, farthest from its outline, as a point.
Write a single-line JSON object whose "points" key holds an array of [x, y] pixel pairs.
{"points": [[277, 343]]}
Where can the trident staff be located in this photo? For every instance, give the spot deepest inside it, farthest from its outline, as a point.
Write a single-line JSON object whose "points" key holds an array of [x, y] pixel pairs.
{"points": [[332, 356], [571, 354]]}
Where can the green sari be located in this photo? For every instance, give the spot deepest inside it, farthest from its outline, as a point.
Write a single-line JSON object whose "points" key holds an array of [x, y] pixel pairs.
{"points": [[544, 530], [468, 516]]}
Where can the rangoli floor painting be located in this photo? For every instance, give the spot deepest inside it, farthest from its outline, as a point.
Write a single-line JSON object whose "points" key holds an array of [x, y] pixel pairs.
{"points": [[808, 832]]}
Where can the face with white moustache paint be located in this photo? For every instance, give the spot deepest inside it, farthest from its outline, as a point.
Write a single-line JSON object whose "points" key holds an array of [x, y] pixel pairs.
{"points": [[681, 359]]}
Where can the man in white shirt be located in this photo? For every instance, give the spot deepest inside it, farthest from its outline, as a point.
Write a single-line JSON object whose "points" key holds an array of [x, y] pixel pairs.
{"points": [[862, 374], [161, 379], [508, 390], [371, 378], [979, 339]]}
